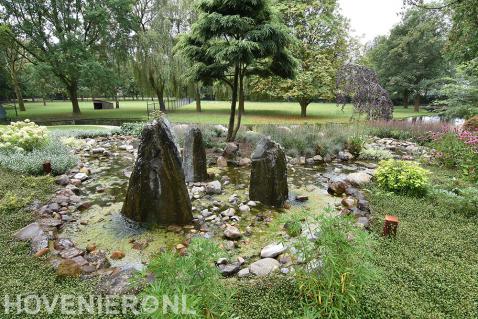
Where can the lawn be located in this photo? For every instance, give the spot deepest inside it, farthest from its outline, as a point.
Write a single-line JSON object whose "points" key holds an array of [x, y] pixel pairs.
{"points": [[213, 112]]}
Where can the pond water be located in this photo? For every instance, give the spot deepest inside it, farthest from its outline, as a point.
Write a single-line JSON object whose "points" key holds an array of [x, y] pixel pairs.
{"points": [[432, 119], [103, 224]]}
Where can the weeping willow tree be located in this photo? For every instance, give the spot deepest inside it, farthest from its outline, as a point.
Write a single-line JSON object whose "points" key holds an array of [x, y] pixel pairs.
{"points": [[156, 68], [360, 84], [235, 39]]}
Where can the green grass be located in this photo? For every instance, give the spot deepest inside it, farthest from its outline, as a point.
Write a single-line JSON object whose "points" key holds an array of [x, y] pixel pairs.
{"points": [[213, 112], [430, 269], [21, 272]]}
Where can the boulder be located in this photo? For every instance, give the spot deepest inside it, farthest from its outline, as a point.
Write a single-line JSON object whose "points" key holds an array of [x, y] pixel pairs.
{"points": [[232, 232], [229, 269], [272, 250], [264, 267], [345, 156], [268, 182], [221, 161], [194, 157], [231, 151], [213, 187], [157, 192], [68, 268], [337, 188], [359, 178]]}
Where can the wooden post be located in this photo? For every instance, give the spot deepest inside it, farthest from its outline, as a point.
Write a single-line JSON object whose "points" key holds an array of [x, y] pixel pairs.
{"points": [[390, 226], [47, 167]]}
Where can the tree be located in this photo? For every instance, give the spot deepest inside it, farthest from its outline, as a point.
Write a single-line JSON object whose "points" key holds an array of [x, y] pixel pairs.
{"points": [[410, 60], [65, 34], [157, 69], [14, 61], [233, 39], [361, 85], [321, 49]]}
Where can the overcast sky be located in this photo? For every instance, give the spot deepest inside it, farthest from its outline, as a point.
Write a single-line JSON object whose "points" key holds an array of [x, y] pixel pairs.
{"points": [[370, 18]]}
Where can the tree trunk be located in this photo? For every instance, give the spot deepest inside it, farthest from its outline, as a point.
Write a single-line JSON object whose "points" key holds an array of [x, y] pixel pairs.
{"points": [[18, 93], [162, 105], [303, 107], [117, 101], [33, 99], [44, 101], [232, 115], [197, 96], [241, 105], [73, 94], [416, 104], [406, 99]]}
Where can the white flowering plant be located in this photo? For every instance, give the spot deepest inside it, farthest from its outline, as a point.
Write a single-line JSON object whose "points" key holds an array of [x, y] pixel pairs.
{"points": [[23, 136]]}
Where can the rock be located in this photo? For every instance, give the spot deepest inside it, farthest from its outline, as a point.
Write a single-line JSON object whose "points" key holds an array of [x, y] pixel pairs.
{"points": [[68, 268], [264, 267], [232, 232], [70, 253], [363, 221], [337, 188], [359, 178], [98, 150], [317, 158], [63, 243], [62, 180], [194, 157], [81, 177], [244, 273], [229, 212], [206, 213], [229, 269], [272, 250], [301, 198], [251, 203], [157, 192], [29, 232], [220, 130], [42, 252], [85, 170], [268, 182], [214, 187], [117, 254], [244, 162], [91, 247], [345, 156], [119, 283], [244, 209], [231, 151], [99, 259], [301, 160], [221, 162], [348, 202]]}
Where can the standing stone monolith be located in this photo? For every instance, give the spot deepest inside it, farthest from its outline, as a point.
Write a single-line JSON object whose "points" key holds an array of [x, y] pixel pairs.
{"points": [[157, 192], [268, 183], [194, 156]]}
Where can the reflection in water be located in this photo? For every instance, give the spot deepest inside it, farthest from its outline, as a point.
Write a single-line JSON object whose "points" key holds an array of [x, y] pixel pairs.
{"points": [[431, 119]]}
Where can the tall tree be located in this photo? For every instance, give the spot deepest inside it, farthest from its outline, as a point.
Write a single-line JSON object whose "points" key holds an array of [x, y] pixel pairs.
{"points": [[410, 60], [321, 49], [65, 34], [157, 69], [14, 61], [233, 39]]}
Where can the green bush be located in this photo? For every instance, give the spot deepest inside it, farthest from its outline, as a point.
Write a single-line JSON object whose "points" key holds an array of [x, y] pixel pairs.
{"points": [[61, 157], [452, 152], [471, 124], [91, 133], [402, 177], [132, 129], [337, 266], [195, 276], [23, 136], [355, 144], [375, 154]]}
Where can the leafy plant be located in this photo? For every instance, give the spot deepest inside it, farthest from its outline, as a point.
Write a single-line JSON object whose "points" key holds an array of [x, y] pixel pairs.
{"points": [[471, 124], [194, 276], [61, 157], [375, 154], [23, 136], [402, 177], [336, 266]]}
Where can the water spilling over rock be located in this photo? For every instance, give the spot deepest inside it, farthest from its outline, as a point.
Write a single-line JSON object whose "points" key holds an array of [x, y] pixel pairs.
{"points": [[157, 192], [194, 157], [268, 183]]}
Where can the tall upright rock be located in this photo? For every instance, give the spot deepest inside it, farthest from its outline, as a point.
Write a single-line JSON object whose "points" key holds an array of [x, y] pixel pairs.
{"points": [[194, 156], [268, 183], [157, 192]]}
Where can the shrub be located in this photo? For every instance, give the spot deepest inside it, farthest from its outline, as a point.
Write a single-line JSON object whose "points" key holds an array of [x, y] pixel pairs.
{"points": [[132, 129], [355, 144], [402, 177], [375, 154], [193, 275], [457, 151], [91, 133], [61, 157], [471, 124], [23, 135], [403, 130], [337, 266]]}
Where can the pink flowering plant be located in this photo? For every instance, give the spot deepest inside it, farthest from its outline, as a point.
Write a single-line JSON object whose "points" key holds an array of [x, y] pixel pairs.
{"points": [[457, 148]]}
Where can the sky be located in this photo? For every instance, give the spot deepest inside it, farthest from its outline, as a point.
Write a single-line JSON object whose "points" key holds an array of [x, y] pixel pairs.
{"points": [[370, 18]]}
